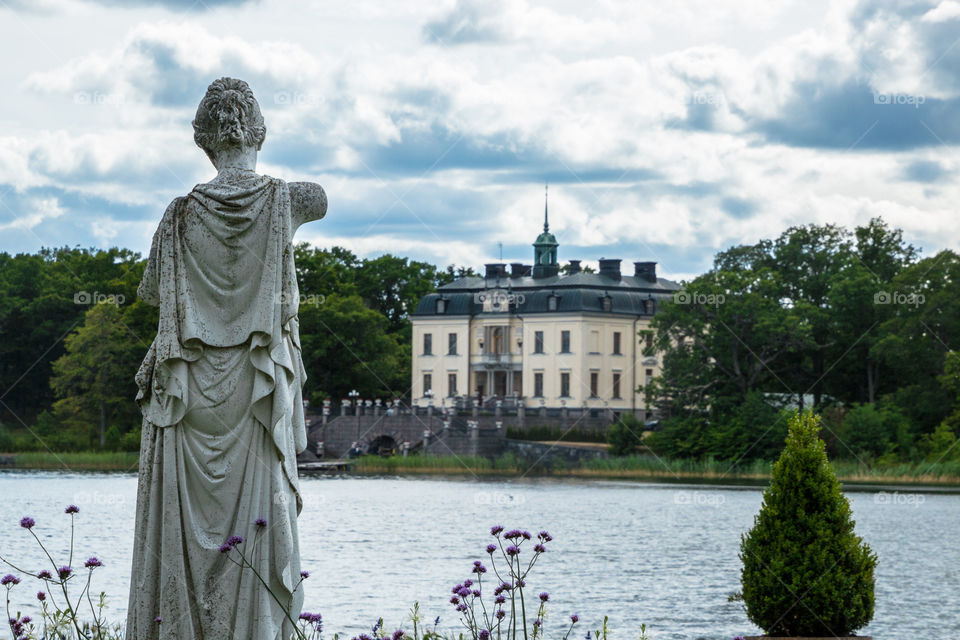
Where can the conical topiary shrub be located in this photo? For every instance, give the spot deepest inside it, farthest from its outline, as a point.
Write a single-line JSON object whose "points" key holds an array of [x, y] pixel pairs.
{"points": [[805, 572]]}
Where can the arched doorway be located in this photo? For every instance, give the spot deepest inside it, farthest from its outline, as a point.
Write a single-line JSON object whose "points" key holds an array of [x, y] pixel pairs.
{"points": [[382, 446]]}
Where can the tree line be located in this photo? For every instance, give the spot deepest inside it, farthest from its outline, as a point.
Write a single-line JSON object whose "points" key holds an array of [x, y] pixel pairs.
{"points": [[853, 324], [73, 333]]}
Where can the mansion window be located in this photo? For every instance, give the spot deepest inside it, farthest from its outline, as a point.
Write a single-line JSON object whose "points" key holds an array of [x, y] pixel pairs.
{"points": [[428, 344], [538, 341], [552, 303], [565, 384], [452, 382], [649, 375], [427, 383], [616, 343], [594, 342], [606, 303], [452, 344], [538, 384], [441, 306], [564, 342], [594, 383], [616, 385], [649, 340]]}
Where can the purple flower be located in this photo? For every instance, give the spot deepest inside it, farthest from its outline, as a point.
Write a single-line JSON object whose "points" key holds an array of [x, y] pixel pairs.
{"points": [[260, 522], [513, 533], [491, 548], [495, 531], [539, 548], [72, 509], [463, 593], [454, 600], [468, 583], [476, 593], [738, 638], [26, 620], [538, 622], [158, 619], [520, 583], [225, 548], [513, 550], [41, 596], [234, 540], [484, 634], [437, 621], [64, 572], [9, 579], [462, 608], [500, 599], [92, 563], [545, 537], [574, 618], [44, 575], [397, 634], [479, 568], [544, 596], [501, 614], [27, 522], [456, 589], [526, 535], [313, 618], [304, 574]]}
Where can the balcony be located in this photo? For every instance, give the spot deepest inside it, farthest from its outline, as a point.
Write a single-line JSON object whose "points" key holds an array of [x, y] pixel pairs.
{"points": [[497, 361]]}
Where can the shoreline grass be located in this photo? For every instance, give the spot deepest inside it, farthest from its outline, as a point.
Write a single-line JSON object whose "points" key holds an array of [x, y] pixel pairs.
{"points": [[625, 468], [74, 461]]}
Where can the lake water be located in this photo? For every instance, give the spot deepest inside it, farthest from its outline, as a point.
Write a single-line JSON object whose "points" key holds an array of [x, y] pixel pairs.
{"points": [[660, 554]]}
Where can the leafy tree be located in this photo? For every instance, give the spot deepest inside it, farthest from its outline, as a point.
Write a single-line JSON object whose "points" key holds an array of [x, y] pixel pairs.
{"points": [[805, 571], [94, 378], [345, 346], [625, 435]]}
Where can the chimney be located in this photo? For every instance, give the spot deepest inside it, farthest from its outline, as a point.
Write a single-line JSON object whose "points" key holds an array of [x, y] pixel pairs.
{"points": [[574, 267], [610, 267], [495, 270], [645, 271], [519, 270]]}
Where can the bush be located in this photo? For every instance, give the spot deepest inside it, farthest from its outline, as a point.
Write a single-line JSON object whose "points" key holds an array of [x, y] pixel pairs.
{"points": [[805, 572], [625, 435]]}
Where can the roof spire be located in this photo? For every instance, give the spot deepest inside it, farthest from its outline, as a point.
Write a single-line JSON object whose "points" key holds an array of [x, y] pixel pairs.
{"points": [[546, 224]]}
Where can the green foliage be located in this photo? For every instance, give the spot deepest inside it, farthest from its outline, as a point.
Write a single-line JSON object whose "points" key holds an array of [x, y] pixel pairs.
{"points": [[93, 380], [625, 435], [870, 430], [805, 571]]}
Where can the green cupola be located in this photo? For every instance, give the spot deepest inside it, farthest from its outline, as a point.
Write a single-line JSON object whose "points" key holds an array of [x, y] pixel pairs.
{"points": [[545, 248]]}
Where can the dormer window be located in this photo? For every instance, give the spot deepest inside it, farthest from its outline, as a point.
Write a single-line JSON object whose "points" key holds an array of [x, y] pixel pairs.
{"points": [[441, 305], [648, 306], [606, 302], [552, 301]]}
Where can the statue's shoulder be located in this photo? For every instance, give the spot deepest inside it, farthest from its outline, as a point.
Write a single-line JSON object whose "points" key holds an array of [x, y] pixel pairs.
{"points": [[308, 201]]}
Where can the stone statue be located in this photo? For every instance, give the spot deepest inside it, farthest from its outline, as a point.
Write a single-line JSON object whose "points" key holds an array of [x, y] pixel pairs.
{"points": [[220, 392]]}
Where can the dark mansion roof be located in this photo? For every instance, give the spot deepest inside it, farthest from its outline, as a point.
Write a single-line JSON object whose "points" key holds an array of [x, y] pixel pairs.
{"points": [[519, 292]]}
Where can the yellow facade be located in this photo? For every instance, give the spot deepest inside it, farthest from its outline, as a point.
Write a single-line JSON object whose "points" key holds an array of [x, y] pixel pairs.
{"points": [[500, 356]]}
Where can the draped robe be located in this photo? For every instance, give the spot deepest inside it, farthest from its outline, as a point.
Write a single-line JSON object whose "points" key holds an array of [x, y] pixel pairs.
{"points": [[220, 392]]}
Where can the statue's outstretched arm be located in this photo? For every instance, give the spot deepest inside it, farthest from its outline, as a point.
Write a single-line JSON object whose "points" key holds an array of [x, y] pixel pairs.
{"points": [[308, 202]]}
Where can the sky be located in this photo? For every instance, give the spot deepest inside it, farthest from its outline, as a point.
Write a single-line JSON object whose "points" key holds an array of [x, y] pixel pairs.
{"points": [[667, 131]]}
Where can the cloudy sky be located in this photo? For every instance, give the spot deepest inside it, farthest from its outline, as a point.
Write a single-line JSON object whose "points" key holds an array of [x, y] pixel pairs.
{"points": [[666, 130]]}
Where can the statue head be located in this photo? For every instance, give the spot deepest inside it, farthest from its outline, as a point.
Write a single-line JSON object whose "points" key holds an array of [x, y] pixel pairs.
{"points": [[228, 118]]}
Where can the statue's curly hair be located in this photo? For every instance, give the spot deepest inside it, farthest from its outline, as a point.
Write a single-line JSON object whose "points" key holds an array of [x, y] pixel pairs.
{"points": [[228, 116]]}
